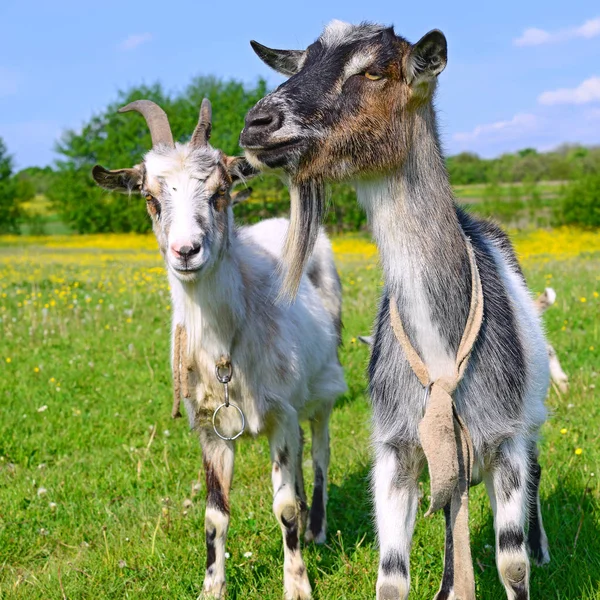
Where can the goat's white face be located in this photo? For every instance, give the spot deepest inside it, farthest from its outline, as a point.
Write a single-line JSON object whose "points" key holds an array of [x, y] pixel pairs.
{"points": [[187, 190], [187, 193]]}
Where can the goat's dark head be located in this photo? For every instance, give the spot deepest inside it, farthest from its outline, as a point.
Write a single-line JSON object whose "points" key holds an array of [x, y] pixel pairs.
{"points": [[187, 191], [346, 108]]}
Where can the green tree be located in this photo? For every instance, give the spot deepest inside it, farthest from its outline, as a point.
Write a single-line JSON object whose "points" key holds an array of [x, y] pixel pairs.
{"points": [[9, 206]]}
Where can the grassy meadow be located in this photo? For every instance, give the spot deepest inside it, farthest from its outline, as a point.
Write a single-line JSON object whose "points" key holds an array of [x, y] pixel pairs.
{"points": [[102, 494]]}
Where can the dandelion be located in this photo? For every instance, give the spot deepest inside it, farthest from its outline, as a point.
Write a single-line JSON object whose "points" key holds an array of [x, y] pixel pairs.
{"points": [[563, 430], [595, 294], [353, 340], [36, 369], [583, 299], [8, 359], [578, 451], [52, 380]]}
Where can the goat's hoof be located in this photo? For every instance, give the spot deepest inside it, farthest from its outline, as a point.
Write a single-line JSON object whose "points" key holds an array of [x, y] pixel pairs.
{"points": [[540, 556], [318, 539], [213, 590]]}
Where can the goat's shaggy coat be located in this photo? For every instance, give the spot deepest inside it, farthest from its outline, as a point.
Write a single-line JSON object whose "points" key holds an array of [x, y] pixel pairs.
{"points": [[224, 282], [358, 106]]}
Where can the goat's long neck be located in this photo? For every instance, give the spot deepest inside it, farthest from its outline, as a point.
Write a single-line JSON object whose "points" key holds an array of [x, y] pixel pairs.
{"points": [[423, 253], [213, 308]]}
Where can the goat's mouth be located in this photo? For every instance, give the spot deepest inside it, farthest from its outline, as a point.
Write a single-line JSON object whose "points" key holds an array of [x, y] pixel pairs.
{"points": [[187, 272], [275, 155]]}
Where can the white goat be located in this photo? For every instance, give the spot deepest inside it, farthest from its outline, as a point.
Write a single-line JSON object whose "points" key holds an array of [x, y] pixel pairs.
{"points": [[282, 358]]}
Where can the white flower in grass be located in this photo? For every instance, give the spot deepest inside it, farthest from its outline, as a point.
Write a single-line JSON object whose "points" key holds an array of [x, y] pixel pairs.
{"points": [[227, 555], [187, 503], [52, 506], [42, 491], [247, 554], [42, 408]]}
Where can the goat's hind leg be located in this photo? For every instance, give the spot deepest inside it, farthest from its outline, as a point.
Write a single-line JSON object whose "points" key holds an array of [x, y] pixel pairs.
{"points": [[218, 458], [396, 498], [317, 522], [509, 476], [284, 440], [537, 541]]}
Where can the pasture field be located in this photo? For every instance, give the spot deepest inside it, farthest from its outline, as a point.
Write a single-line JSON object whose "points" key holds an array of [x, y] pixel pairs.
{"points": [[102, 495]]}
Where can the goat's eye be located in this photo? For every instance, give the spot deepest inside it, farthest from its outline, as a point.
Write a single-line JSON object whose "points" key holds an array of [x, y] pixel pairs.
{"points": [[149, 197], [373, 76]]}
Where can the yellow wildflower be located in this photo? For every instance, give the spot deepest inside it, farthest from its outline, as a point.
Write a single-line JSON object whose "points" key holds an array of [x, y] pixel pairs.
{"points": [[563, 430], [8, 359], [578, 451], [36, 369], [583, 299]]}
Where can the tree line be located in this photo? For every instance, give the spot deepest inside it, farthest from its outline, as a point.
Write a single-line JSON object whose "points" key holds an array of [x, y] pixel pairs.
{"points": [[120, 140]]}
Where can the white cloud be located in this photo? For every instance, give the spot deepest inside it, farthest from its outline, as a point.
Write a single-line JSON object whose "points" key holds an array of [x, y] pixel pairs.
{"points": [[535, 37], [9, 82], [135, 40], [500, 129], [586, 92]]}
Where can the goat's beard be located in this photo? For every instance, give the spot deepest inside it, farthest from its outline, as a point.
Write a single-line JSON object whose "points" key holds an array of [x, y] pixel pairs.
{"points": [[306, 214]]}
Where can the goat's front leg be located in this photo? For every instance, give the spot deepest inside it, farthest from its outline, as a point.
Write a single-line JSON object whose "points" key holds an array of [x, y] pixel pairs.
{"points": [[507, 487], [217, 457], [284, 440], [317, 522], [396, 498]]}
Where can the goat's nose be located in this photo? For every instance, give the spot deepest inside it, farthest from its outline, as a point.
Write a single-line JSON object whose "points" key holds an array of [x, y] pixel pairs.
{"points": [[186, 251], [261, 123]]}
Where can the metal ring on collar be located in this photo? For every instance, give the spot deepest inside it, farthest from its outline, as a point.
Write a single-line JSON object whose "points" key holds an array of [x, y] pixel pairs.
{"points": [[224, 372], [237, 435]]}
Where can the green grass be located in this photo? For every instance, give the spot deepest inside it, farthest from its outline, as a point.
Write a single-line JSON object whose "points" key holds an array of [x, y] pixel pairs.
{"points": [[118, 469]]}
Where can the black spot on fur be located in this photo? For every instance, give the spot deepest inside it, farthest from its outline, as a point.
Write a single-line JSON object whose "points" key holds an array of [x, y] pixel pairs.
{"points": [[291, 533], [393, 564], [211, 555], [215, 496], [510, 539], [283, 456], [317, 510]]}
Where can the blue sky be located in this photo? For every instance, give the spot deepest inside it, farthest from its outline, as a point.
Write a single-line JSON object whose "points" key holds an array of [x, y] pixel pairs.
{"points": [[520, 73]]}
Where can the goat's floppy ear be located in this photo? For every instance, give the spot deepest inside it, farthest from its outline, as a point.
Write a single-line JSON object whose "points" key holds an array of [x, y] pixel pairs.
{"points": [[121, 180], [238, 197], [428, 57], [286, 62], [239, 168]]}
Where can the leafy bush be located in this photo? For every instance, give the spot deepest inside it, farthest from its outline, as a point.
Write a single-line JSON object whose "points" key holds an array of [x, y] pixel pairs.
{"points": [[580, 203]]}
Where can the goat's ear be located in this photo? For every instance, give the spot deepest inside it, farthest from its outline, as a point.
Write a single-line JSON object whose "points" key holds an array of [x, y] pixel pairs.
{"points": [[428, 58], [120, 180], [239, 168], [286, 62], [238, 197]]}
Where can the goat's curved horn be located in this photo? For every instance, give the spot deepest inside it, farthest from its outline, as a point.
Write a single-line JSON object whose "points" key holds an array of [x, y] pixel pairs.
{"points": [[156, 117], [201, 134]]}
